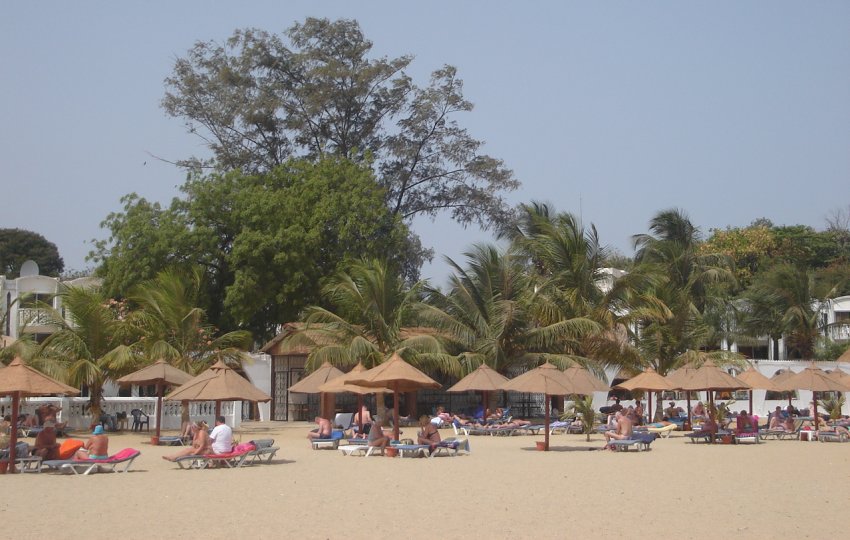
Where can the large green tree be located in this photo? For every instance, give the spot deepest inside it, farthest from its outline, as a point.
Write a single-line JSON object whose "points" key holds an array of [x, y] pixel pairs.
{"points": [[18, 245], [259, 99], [265, 241]]}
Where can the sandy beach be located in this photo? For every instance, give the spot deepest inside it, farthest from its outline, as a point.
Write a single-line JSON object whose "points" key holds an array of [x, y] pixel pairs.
{"points": [[504, 489]]}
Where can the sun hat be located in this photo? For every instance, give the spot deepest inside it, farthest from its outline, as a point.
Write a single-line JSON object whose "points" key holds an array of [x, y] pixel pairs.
{"points": [[98, 430]]}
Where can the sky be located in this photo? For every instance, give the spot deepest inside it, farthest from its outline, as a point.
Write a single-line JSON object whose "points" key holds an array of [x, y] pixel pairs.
{"points": [[614, 111]]}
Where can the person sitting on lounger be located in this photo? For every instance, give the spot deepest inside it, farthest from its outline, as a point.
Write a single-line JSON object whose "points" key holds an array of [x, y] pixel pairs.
{"points": [[746, 423], [363, 417], [428, 434], [324, 430], [441, 417], [698, 411], [221, 438], [376, 434], [776, 419], [46, 446], [623, 431], [787, 425], [639, 413], [673, 411], [200, 443], [97, 447], [49, 412]]}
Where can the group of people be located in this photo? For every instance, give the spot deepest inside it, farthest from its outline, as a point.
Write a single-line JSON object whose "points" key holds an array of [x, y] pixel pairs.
{"points": [[204, 441]]}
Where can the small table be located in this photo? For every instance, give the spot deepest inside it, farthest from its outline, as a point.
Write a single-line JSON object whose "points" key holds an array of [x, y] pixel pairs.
{"points": [[808, 435], [29, 464]]}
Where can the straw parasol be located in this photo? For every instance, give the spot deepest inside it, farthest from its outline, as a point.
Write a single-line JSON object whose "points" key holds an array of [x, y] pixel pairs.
{"points": [[338, 385], [397, 375], [218, 383], [483, 379], [311, 383], [677, 379], [779, 381], [19, 380], [710, 377], [647, 381], [161, 374], [755, 379], [547, 380], [815, 379]]}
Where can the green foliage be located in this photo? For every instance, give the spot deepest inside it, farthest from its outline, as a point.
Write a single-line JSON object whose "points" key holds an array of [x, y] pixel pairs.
{"points": [[583, 407], [834, 404], [265, 242], [261, 99], [18, 245], [827, 349]]}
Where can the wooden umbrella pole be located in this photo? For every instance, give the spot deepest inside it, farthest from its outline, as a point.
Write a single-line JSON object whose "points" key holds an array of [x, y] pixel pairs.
{"points": [[13, 438], [815, 406], [395, 411], [360, 414], [158, 410], [688, 394], [217, 410], [649, 395], [751, 402], [546, 401]]}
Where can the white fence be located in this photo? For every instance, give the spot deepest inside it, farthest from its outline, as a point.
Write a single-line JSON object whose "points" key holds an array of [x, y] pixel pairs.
{"points": [[76, 412]]}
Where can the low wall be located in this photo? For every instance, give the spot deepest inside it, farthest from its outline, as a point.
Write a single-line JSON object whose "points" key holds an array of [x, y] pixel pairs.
{"points": [[75, 411]]}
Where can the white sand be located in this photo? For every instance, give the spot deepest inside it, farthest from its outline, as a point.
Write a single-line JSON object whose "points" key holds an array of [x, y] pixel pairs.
{"points": [[504, 489]]}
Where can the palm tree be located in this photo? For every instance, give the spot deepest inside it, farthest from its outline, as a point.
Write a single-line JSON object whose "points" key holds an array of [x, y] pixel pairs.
{"points": [[92, 346], [786, 301], [372, 317], [173, 328], [493, 315], [669, 310]]}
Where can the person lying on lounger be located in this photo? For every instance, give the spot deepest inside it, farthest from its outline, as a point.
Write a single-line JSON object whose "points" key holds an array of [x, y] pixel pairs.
{"points": [[624, 429], [200, 443], [323, 431]]}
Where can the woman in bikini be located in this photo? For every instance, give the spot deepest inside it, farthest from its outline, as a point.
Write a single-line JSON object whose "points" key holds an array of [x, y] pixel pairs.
{"points": [[428, 434]]}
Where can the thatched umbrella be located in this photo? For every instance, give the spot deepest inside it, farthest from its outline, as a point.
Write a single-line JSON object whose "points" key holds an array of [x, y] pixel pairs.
{"points": [[779, 381], [397, 375], [218, 383], [815, 379], [756, 380], [311, 383], [483, 379], [339, 384], [647, 381], [19, 380], [711, 378], [547, 380], [161, 374]]}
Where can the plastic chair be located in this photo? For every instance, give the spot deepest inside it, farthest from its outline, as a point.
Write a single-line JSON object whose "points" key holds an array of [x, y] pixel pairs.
{"points": [[140, 418]]}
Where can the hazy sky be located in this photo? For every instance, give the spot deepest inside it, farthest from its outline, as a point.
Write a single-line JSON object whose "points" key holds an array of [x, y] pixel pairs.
{"points": [[729, 110]]}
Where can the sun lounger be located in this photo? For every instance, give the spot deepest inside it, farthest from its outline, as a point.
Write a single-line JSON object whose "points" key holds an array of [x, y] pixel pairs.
{"points": [[234, 460], [832, 436], [88, 466], [663, 431], [420, 450], [171, 440], [264, 452], [623, 445], [332, 442], [452, 447]]}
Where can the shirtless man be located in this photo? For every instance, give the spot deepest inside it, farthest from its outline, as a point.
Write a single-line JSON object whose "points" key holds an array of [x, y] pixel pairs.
{"points": [[776, 419], [45, 442], [97, 447], [324, 430], [624, 429], [49, 412]]}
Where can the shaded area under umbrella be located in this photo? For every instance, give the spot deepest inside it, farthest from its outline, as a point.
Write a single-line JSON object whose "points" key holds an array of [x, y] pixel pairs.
{"points": [[161, 374], [312, 382], [397, 375], [711, 378], [19, 380], [755, 379], [647, 381], [677, 379], [547, 380], [218, 383], [815, 379], [483, 379], [340, 384]]}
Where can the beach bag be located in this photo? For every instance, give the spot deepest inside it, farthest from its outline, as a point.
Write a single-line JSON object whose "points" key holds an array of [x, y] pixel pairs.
{"points": [[68, 448]]}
